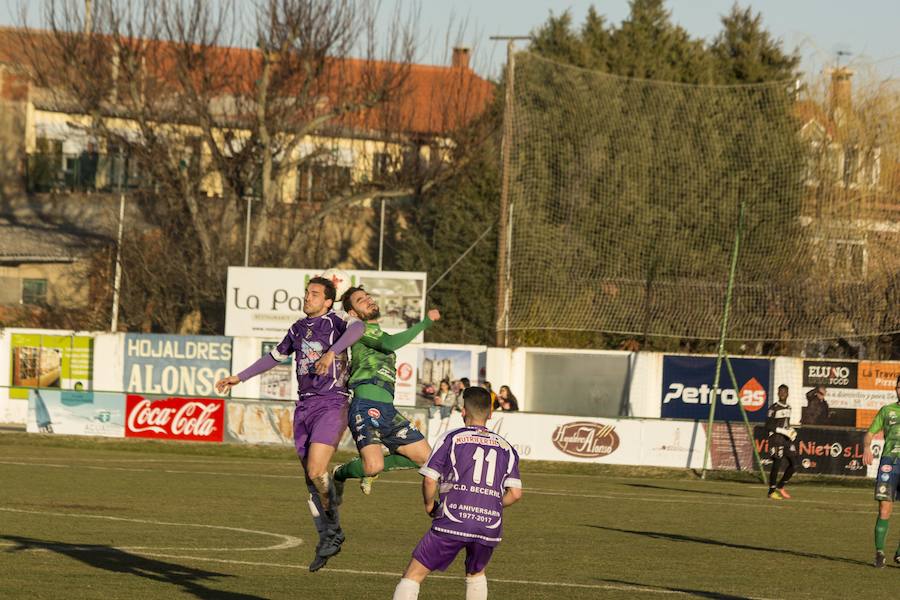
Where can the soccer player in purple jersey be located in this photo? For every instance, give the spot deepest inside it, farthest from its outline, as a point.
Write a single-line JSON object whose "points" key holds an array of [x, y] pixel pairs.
{"points": [[320, 416], [477, 472]]}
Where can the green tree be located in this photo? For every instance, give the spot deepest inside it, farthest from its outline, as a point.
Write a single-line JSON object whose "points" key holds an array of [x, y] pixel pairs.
{"points": [[744, 52], [632, 187], [443, 224], [646, 46]]}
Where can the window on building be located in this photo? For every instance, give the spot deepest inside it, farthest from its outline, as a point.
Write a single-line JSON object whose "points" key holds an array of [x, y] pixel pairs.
{"points": [[851, 166], [319, 181], [34, 291], [45, 166], [381, 165], [413, 163]]}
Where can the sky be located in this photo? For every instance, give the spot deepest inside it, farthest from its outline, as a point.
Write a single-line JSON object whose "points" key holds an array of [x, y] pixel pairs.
{"points": [[818, 29]]}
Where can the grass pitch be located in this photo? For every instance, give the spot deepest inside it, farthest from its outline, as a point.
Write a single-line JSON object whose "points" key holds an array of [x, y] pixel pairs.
{"points": [[84, 518]]}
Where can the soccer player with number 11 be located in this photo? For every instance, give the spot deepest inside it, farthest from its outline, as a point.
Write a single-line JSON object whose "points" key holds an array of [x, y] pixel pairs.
{"points": [[470, 477]]}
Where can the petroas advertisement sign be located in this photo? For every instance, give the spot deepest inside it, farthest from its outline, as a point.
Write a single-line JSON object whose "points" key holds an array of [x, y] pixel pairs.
{"points": [[687, 388]]}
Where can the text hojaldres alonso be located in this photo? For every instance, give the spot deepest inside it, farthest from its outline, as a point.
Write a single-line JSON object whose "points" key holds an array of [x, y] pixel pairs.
{"points": [[181, 365]]}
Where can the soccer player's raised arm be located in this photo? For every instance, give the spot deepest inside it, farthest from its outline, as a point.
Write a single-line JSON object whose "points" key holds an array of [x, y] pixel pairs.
{"points": [[392, 343], [355, 330], [263, 364]]}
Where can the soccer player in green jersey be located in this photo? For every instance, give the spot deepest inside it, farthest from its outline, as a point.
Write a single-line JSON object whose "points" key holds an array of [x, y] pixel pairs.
{"points": [[888, 477], [372, 418]]}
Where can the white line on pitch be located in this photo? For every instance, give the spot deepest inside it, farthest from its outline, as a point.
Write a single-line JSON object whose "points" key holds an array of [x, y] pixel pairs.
{"points": [[612, 495], [287, 541], [592, 586]]}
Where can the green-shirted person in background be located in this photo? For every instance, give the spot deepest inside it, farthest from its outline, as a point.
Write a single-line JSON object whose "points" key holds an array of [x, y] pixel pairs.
{"points": [[372, 418], [887, 479]]}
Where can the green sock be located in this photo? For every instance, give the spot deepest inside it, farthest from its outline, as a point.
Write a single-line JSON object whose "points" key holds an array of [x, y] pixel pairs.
{"points": [[350, 470], [354, 468], [881, 529], [397, 462]]}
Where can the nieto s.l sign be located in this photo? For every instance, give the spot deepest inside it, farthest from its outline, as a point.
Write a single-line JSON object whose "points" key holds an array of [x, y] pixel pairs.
{"points": [[188, 419], [687, 388]]}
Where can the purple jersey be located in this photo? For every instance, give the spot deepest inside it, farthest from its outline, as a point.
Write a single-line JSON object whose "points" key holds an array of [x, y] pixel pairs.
{"points": [[310, 338], [474, 467]]}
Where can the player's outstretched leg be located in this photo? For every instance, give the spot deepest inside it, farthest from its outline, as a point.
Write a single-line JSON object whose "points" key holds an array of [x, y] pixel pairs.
{"points": [[392, 462], [331, 536]]}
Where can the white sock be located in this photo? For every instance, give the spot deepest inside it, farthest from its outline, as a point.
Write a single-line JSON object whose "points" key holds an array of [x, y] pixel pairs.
{"points": [[407, 589], [476, 588]]}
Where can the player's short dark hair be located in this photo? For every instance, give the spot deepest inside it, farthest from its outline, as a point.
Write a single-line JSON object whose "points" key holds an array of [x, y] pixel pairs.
{"points": [[783, 386], [477, 402], [330, 290], [465, 381], [345, 298]]}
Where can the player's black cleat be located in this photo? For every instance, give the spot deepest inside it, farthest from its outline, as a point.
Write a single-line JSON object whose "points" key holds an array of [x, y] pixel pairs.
{"points": [[331, 544], [879, 560], [897, 558], [317, 563]]}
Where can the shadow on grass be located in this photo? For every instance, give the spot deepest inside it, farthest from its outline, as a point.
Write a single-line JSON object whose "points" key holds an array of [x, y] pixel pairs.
{"points": [[189, 579], [678, 537], [673, 489], [665, 588]]}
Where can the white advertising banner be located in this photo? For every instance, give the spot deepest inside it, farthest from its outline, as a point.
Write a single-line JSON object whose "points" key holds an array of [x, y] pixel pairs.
{"points": [[677, 444], [71, 412], [405, 384], [264, 302]]}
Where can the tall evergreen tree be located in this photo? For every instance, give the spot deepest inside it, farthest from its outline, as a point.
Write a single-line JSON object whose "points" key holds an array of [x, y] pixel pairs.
{"points": [[443, 225], [744, 52], [647, 45]]}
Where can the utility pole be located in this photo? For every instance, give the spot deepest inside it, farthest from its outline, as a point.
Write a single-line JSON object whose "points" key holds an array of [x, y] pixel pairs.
{"points": [[248, 195], [114, 320], [88, 17], [503, 225], [381, 236]]}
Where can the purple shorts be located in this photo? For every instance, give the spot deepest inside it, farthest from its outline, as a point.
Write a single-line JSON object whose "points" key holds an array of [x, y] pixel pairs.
{"points": [[320, 421], [437, 552]]}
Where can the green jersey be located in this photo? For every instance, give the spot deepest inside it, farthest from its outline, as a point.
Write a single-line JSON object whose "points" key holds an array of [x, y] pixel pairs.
{"points": [[373, 362], [888, 420]]}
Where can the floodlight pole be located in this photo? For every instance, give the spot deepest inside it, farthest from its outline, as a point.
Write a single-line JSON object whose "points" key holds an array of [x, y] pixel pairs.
{"points": [[503, 225]]}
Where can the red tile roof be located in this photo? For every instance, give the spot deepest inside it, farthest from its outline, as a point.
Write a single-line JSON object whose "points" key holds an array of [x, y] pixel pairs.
{"points": [[432, 100]]}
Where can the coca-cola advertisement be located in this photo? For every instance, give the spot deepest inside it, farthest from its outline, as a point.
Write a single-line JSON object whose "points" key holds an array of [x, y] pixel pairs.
{"points": [[192, 419]]}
